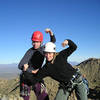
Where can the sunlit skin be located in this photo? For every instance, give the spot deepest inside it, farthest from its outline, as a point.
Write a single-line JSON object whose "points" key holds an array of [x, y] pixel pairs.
{"points": [[36, 44], [49, 56]]}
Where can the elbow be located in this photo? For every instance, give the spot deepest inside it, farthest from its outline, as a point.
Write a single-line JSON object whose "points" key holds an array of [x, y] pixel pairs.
{"points": [[20, 67], [54, 41], [75, 47]]}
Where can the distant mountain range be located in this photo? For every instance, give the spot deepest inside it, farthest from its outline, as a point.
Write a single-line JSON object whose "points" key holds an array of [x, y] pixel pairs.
{"points": [[73, 63], [10, 71]]}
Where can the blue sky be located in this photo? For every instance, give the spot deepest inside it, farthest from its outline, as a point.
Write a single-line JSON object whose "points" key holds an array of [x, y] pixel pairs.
{"points": [[78, 20]]}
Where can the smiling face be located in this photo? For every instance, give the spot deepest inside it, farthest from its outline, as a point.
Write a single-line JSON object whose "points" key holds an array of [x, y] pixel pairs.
{"points": [[49, 56], [36, 44]]}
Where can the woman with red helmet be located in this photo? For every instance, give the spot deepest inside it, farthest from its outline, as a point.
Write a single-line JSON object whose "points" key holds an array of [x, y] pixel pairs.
{"points": [[29, 66]]}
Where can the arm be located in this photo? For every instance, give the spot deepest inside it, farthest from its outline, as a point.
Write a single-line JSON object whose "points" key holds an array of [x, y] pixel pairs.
{"points": [[43, 72], [52, 36], [24, 61], [35, 71], [72, 47], [26, 68]]}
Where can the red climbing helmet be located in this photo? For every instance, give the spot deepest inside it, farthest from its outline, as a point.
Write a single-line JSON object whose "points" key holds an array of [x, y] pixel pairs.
{"points": [[37, 36]]}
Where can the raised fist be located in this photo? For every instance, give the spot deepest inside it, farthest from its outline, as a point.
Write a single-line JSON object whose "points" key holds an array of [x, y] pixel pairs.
{"points": [[47, 30], [65, 43]]}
